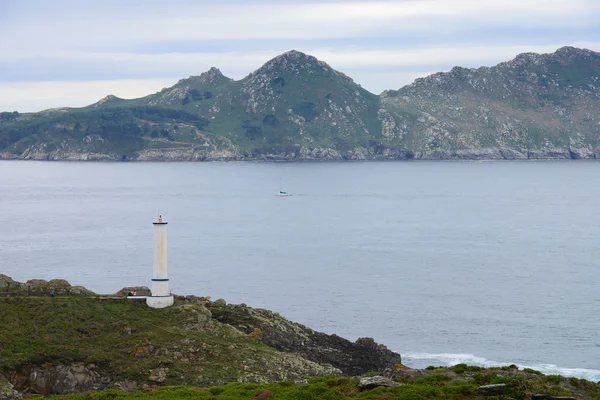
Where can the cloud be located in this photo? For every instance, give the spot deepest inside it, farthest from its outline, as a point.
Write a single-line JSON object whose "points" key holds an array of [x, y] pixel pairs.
{"points": [[381, 44], [52, 29], [109, 66], [37, 96]]}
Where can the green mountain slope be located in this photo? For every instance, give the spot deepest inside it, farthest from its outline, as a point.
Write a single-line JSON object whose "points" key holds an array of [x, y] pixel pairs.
{"points": [[533, 106], [297, 107]]}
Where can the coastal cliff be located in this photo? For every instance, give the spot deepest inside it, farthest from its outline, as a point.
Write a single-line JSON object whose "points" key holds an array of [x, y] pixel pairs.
{"points": [[77, 341], [295, 107]]}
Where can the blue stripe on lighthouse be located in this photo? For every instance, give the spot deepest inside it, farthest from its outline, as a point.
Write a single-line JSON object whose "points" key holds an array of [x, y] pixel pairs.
{"points": [[160, 279]]}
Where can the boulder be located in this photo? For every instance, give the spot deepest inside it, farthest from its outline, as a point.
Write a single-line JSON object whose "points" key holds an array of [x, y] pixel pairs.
{"points": [[7, 391], [491, 390], [158, 375], [37, 282], [56, 283], [80, 291], [371, 382], [139, 290], [549, 397], [7, 282]]}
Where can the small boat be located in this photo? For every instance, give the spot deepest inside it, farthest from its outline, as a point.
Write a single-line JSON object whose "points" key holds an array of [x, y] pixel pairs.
{"points": [[282, 194]]}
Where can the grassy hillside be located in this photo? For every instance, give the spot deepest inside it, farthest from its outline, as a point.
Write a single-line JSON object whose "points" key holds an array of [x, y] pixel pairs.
{"points": [[108, 347], [125, 340]]}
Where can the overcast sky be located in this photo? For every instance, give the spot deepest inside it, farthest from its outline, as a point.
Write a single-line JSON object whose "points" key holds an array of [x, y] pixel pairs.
{"points": [[57, 53]]}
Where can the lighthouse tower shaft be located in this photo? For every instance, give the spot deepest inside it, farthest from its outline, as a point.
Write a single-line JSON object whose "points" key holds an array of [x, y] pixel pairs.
{"points": [[161, 297], [160, 279]]}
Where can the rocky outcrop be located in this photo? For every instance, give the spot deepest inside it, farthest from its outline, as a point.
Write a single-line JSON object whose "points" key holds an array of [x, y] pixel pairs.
{"points": [[139, 290], [189, 154], [64, 379], [8, 156], [550, 397], [356, 358], [106, 101], [7, 390], [40, 287], [371, 382], [42, 152], [491, 390], [158, 375]]}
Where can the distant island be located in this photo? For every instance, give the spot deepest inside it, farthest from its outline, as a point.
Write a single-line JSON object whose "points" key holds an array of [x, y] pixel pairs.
{"points": [[295, 107], [63, 339]]}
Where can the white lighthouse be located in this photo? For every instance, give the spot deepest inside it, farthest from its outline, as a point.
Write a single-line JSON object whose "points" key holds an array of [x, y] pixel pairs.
{"points": [[161, 297]]}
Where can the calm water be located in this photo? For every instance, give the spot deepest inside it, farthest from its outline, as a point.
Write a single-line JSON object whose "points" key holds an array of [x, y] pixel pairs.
{"points": [[444, 262]]}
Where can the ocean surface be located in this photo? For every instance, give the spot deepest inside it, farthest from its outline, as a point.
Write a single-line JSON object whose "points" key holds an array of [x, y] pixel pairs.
{"points": [[487, 263]]}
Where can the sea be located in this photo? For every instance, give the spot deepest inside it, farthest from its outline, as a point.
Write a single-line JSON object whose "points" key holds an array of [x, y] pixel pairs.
{"points": [[484, 263]]}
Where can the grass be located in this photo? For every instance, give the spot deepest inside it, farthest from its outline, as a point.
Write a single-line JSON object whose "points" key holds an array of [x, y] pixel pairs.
{"points": [[436, 386], [327, 388], [125, 340]]}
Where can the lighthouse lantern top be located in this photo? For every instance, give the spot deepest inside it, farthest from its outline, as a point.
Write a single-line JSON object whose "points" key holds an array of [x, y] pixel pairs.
{"points": [[160, 220]]}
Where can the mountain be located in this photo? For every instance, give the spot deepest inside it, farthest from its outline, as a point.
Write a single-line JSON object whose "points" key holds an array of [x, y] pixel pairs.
{"points": [[535, 106], [297, 107]]}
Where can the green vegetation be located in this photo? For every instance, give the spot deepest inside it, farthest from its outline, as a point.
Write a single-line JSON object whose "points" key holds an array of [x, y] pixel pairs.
{"points": [[554, 379], [462, 368], [437, 386], [317, 389], [532, 371], [120, 130], [126, 340], [192, 351]]}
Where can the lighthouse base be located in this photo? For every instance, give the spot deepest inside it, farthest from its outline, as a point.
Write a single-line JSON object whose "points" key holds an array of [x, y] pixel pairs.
{"points": [[160, 301]]}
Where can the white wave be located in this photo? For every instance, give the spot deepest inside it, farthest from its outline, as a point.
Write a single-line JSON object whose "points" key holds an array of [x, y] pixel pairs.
{"points": [[450, 359]]}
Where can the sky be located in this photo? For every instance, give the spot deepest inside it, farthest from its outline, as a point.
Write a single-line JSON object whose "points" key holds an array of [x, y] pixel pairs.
{"points": [[71, 53]]}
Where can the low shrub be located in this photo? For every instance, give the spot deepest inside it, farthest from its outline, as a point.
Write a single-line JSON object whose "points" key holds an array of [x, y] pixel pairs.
{"points": [[433, 379], [553, 379], [462, 368], [532, 371]]}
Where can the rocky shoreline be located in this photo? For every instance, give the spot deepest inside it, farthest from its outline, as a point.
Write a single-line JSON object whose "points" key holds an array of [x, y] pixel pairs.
{"points": [[62, 339], [212, 342], [318, 154]]}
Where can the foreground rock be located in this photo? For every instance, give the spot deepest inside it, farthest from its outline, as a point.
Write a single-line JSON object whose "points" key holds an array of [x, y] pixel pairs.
{"points": [[371, 382], [491, 390], [356, 358], [7, 391]]}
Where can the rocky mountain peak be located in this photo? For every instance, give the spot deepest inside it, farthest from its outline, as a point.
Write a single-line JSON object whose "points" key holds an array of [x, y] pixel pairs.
{"points": [[570, 51], [105, 99], [564, 54], [295, 61], [211, 77], [213, 74]]}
